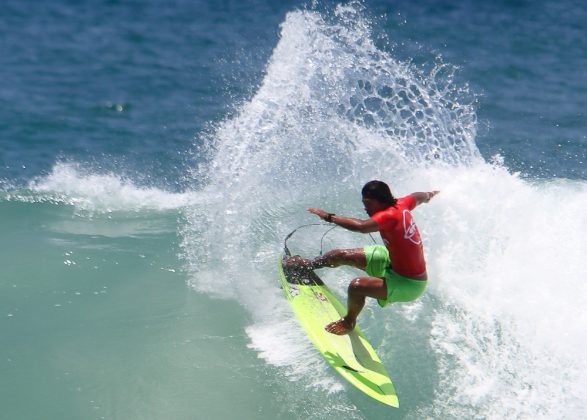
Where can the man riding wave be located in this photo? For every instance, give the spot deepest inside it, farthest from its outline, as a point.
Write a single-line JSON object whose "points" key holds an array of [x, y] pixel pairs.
{"points": [[396, 271]]}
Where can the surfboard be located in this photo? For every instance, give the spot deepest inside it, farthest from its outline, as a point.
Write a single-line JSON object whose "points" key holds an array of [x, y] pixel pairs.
{"points": [[350, 355]]}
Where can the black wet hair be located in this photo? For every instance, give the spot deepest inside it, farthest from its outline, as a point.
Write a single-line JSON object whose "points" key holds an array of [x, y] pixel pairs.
{"points": [[379, 190]]}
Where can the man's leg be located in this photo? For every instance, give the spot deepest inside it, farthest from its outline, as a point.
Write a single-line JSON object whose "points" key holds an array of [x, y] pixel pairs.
{"points": [[359, 289], [335, 258]]}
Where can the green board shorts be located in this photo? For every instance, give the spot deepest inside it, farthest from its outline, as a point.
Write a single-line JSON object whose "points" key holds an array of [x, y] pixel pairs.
{"points": [[399, 288]]}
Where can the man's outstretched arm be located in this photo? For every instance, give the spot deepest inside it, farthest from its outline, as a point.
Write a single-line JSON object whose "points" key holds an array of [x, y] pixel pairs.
{"points": [[423, 197], [355, 225]]}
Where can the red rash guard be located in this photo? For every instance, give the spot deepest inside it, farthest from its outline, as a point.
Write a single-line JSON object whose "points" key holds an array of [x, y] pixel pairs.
{"points": [[402, 238]]}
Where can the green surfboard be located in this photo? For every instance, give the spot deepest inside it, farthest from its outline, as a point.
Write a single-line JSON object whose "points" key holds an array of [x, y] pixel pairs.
{"points": [[350, 355]]}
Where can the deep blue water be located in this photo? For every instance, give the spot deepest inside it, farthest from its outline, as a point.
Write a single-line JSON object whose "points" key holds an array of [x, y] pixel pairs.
{"points": [[154, 154], [131, 85], [170, 68]]}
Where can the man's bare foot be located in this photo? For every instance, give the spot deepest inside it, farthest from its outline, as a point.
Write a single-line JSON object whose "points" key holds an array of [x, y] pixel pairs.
{"points": [[297, 262], [340, 327]]}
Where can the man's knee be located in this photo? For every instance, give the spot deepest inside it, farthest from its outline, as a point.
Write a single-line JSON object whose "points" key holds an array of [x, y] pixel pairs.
{"points": [[356, 286], [368, 286]]}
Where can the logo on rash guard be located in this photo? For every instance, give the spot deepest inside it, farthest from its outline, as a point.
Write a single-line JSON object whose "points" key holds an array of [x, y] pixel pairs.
{"points": [[410, 229]]}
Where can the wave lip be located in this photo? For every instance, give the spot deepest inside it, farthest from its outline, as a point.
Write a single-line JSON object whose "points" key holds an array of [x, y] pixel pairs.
{"points": [[103, 193]]}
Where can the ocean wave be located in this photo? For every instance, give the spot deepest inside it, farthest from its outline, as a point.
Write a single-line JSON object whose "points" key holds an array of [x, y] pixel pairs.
{"points": [[70, 184]]}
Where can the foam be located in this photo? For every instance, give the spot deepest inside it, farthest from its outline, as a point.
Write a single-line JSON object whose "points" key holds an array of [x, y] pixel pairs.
{"points": [[507, 266], [70, 184]]}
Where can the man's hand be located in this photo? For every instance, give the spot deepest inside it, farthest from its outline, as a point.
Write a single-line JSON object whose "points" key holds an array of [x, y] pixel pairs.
{"points": [[318, 212], [423, 197], [432, 194]]}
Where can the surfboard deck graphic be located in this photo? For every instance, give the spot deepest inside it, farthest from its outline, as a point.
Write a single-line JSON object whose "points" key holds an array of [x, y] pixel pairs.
{"points": [[350, 355]]}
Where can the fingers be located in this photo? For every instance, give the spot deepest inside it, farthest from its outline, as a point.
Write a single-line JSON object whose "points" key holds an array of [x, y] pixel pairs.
{"points": [[318, 212]]}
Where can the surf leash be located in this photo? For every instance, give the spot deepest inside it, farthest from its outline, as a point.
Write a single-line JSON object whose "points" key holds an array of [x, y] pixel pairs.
{"points": [[286, 249]]}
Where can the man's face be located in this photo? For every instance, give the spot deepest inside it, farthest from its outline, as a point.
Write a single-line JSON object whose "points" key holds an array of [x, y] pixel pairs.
{"points": [[372, 206]]}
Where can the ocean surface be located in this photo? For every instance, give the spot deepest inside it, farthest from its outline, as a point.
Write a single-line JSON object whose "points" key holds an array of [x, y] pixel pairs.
{"points": [[153, 156]]}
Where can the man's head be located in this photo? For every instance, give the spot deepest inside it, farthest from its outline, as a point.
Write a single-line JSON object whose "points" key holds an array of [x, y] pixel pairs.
{"points": [[377, 197]]}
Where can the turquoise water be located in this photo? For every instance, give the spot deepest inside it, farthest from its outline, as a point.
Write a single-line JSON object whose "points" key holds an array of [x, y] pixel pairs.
{"points": [[109, 313], [153, 157]]}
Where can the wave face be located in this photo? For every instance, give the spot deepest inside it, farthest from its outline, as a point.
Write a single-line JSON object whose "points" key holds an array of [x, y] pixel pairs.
{"points": [[499, 332]]}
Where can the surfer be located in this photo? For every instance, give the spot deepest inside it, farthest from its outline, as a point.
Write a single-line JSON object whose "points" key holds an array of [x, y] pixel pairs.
{"points": [[396, 271]]}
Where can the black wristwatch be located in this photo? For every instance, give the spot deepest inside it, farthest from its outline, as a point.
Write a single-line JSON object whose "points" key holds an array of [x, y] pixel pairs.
{"points": [[328, 217]]}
